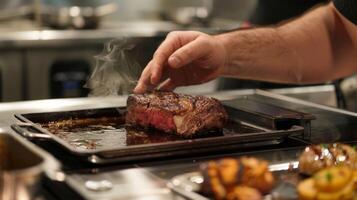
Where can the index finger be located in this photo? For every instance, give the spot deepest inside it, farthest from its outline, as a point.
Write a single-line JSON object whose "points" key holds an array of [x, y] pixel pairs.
{"points": [[161, 55], [143, 82]]}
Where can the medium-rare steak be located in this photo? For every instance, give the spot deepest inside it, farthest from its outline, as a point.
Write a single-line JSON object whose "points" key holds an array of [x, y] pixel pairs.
{"points": [[170, 112]]}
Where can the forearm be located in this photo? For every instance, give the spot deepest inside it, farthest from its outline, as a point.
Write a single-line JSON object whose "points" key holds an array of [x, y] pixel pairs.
{"points": [[314, 48]]}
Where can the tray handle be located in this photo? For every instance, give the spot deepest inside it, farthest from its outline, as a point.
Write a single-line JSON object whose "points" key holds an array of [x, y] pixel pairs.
{"points": [[29, 131]]}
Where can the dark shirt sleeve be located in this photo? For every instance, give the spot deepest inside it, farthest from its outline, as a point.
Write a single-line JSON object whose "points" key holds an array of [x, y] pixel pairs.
{"points": [[269, 12], [347, 8]]}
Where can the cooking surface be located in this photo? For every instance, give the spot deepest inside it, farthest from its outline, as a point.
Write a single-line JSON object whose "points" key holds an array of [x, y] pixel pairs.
{"points": [[331, 125], [100, 136], [104, 128]]}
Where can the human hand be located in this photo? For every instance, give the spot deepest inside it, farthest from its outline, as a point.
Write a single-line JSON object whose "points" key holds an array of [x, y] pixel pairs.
{"points": [[184, 58]]}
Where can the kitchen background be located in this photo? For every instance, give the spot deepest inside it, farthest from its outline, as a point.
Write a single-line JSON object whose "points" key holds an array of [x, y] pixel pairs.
{"points": [[47, 47]]}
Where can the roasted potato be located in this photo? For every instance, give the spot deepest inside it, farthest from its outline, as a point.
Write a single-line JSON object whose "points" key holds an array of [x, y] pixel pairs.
{"points": [[214, 183], [257, 175], [244, 193], [355, 179], [228, 170], [222, 177], [318, 157], [333, 179], [306, 190], [334, 183]]}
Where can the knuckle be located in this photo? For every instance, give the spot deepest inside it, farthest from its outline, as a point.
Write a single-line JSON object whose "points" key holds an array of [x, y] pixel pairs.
{"points": [[206, 42], [183, 55], [157, 54], [147, 68], [146, 72], [195, 33], [161, 55], [173, 34]]}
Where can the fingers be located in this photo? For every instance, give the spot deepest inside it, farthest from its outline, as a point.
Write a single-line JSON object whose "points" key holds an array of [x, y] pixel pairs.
{"points": [[194, 50], [153, 72], [143, 82], [168, 46], [156, 73], [174, 40], [140, 88]]}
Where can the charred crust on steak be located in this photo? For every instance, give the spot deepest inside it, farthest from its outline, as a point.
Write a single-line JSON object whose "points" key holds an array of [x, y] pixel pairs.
{"points": [[169, 101], [181, 114]]}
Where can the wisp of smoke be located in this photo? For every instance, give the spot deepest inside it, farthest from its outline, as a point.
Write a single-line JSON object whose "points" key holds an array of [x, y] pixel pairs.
{"points": [[115, 73]]}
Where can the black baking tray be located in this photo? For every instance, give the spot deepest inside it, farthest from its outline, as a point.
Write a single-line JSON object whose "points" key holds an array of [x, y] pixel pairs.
{"points": [[104, 138]]}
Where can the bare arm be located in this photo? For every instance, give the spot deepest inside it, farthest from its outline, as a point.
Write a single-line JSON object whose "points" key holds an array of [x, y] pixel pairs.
{"points": [[320, 46]]}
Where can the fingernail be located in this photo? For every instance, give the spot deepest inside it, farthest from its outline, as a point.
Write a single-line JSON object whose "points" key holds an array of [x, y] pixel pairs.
{"points": [[136, 90], [154, 80], [173, 61]]}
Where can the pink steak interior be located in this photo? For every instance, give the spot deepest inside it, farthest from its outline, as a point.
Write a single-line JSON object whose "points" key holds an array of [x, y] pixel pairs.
{"points": [[154, 117]]}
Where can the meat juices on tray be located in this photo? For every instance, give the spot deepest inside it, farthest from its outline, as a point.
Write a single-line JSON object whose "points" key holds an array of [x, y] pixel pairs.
{"points": [[181, 114]]}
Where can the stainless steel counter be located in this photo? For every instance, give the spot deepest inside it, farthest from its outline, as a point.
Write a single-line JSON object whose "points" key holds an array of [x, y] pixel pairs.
{"points": [[331, 125], [63, 38]]}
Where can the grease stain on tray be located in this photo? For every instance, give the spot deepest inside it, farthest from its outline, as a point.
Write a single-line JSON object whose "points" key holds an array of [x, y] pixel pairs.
{"points": [[111, 132]]}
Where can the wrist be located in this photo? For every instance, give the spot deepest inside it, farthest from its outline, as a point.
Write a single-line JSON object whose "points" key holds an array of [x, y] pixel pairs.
{"points": [[223, 40]]}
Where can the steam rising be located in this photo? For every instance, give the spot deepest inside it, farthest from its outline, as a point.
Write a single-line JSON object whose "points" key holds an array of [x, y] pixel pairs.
{"points": [[115, 72]]}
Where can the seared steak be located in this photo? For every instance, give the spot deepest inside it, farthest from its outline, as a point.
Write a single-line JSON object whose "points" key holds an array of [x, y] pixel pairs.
{"points": [[170, 112]]}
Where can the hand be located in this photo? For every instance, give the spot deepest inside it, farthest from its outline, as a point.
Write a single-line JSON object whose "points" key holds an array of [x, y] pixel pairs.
{"points": [[184, 58]]}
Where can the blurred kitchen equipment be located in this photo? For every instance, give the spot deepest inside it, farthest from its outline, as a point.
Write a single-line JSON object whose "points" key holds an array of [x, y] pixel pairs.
{"points": [[61, 17], [20, 12], [191, 15], [67, 78], [76, 17], [21, 168], [37, 7], [11, 75], [59, 72]]}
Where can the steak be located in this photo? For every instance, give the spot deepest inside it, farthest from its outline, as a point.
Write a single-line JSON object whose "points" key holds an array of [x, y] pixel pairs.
{"points": [[180, 114]]}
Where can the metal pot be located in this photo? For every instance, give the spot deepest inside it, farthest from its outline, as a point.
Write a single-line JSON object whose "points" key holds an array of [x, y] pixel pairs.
{"points": [[189, 16], [75, 17], [21, 168], [196, 14]]}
